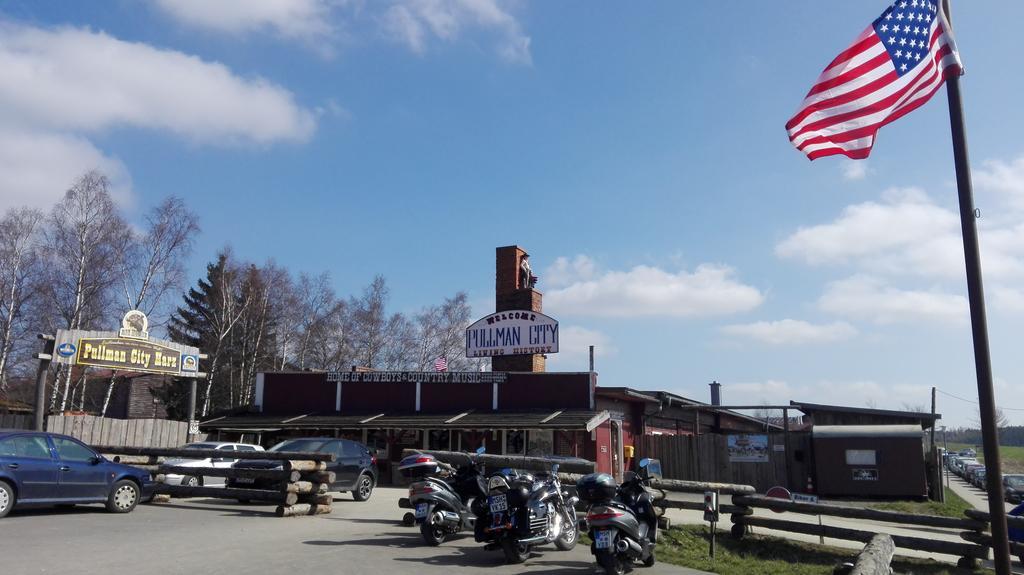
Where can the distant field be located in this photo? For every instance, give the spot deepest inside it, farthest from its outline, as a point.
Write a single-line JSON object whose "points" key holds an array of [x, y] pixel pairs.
{"points": [[1012, 456]]}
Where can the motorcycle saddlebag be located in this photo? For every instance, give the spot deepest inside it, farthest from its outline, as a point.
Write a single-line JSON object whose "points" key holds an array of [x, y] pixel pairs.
{"points": [[418, 465], [596, 487]]}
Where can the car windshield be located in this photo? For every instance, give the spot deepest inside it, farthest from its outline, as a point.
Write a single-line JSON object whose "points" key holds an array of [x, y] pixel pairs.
{"points": [[299, 445], [201, 446], [1015, 481]]}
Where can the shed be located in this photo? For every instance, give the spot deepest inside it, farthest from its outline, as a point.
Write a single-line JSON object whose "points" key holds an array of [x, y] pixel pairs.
{"points": [[870, 460]]}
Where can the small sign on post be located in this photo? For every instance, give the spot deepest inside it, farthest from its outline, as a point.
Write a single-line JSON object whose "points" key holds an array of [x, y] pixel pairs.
{"points": [[193, 427]]}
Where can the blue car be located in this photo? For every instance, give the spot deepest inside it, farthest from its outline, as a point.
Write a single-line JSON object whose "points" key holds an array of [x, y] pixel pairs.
{"points": [[39, 468]]}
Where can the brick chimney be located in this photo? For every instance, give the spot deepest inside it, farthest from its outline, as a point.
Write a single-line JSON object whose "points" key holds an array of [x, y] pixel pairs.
{"points": [[509, 296], [716, 393]]}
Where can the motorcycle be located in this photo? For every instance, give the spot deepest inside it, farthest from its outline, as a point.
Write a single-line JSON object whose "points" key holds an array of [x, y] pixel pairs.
{"points": [[447, 500], [621, 518], [524, 511]]}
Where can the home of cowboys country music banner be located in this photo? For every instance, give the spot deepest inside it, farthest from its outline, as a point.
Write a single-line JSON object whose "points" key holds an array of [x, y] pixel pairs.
{"points": [[514, 332]]}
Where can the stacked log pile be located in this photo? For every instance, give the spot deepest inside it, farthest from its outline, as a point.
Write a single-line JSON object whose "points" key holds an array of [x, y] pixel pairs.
{"points": [[301, 484]]}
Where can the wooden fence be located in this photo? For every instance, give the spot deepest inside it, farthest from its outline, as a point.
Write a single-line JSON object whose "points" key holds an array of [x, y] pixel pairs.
{"points": [[706, 458], [121, 432], [14, 421]]}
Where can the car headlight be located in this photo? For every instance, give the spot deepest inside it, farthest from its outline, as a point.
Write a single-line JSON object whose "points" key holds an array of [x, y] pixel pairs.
{"points": [[497, 484]]}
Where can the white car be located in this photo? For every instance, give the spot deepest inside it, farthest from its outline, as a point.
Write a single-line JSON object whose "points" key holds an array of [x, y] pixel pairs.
{"points": [[197, 480]]}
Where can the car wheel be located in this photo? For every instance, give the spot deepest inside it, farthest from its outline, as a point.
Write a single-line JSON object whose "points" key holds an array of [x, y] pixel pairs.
{"points": [[6, 498], [123, 497], [364, 488]]}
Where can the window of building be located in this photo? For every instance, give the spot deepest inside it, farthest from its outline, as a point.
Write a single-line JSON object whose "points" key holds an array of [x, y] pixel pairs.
{"points": [[860, 457], [541, 443], [440, 439], [515, 442]]}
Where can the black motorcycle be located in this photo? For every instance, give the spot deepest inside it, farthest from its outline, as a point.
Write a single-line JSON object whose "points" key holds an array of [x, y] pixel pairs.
{"points": [[524, 511], [447, 499], [621, 518]]}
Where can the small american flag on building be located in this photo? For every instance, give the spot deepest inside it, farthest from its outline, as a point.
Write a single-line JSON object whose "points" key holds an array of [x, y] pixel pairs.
{"points": [[892, 68], [441, 364]]}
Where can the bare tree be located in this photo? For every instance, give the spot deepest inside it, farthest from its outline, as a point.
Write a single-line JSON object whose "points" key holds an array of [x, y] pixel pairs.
{"points": [[20, 236], [368, 322], [442, 330], [318, 311], [82, 241], [153, 264]]}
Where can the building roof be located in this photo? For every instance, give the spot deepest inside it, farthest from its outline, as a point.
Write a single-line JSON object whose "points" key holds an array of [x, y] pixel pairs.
{"points": [[569, 419], [874, 431], [694, 402], [810, 408]]}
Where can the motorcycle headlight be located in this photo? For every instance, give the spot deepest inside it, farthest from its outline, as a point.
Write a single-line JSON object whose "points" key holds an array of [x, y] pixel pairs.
{"points": [[497, 484]]}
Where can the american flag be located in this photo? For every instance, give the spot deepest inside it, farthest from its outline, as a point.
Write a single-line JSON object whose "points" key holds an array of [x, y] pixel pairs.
{"points": [[892, 68], [441, 364]]}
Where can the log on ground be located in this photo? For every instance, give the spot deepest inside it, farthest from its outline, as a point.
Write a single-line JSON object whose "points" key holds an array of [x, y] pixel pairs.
{"points": [[180, 453], [303, 465], [986, 540], [317, 476], [227, 493], [876, 557], [305, 487], [701, 487], [1011, 521], [857, 512], [316, 498], [902, 541], [300, 509], [699, 506], [234, 473]]}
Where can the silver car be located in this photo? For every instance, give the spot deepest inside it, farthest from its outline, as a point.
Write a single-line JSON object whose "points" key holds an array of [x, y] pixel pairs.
{"points": [[198, 480]]}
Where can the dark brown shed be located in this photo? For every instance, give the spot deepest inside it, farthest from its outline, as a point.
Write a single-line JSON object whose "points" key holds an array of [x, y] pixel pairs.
{"points": [[870, 460]]}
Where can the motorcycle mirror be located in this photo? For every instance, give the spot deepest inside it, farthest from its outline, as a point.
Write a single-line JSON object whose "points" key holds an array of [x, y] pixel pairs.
{"points": [[644, 462], [554, 468], [481, 450]]}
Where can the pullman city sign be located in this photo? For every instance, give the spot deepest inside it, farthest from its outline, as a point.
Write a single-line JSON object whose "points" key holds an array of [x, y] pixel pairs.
{"points": [[513, 332]]}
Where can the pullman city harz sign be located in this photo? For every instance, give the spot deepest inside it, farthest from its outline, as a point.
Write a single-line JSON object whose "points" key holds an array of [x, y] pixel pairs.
{"points": [[129, 349]]}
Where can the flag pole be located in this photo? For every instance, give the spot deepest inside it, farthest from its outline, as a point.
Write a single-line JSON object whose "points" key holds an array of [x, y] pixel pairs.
{"points": [[979, 325]]}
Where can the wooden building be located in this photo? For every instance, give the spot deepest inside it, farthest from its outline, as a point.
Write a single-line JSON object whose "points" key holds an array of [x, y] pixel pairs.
{"points": [[870, 460]]}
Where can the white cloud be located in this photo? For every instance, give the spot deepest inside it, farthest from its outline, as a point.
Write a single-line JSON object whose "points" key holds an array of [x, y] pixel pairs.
{"points": [[574, 349], [36, 168], [79, 80], [871, 299], [792, 332], [855, 169], [60, 87], [303, 19], [565, 271], [415, 22], [1007, 299], [649, 291], [1004, 178]]}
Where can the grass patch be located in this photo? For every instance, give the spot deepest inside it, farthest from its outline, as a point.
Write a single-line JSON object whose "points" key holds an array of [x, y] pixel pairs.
{"points": [[687, 546], [953, 507]]}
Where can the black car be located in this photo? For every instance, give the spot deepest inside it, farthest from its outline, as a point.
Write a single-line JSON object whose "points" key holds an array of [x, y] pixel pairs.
{"points": [[354, 465], [1013, 488]]}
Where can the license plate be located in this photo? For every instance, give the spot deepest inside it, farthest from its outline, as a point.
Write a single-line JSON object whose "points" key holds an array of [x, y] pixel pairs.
{"points": [[603, 539], [498, 503], [421, 510], [245, 480]]}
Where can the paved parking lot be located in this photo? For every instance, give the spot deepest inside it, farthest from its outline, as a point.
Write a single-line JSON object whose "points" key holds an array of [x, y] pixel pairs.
{"points": [[212, 537]]}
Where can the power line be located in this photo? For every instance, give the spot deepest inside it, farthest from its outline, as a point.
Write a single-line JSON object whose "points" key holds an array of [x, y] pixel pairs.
{"points": [[946, 393]]}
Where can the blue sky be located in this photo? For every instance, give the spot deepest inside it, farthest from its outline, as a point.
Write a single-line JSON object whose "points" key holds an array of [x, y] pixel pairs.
{"points": [[638, 154]]}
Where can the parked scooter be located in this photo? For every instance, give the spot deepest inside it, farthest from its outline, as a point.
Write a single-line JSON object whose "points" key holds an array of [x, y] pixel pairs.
{"points": [[621, 518], [524, 511], [446, 499]]}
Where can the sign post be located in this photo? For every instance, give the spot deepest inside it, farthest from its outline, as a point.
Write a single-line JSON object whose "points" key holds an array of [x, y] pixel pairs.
{"points": [[44, 357]]}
